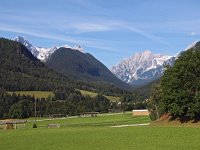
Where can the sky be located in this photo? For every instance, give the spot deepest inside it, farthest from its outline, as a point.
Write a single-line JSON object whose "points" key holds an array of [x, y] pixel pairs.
{"points": [[111, 30]]}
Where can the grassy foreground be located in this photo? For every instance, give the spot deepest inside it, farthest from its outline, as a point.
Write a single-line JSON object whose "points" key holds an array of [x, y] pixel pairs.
{"points": [[96, 134], [37, 94], [103, 120]]}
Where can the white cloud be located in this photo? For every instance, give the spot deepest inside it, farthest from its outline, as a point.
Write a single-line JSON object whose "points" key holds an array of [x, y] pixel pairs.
{"points": [[91, 27], [62, 23], [97, 26], [193, 33], [93, 43], [143, 33]]}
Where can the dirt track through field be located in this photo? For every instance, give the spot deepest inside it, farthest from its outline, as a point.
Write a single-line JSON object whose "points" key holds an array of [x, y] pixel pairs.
{"points": [[131, 125]]}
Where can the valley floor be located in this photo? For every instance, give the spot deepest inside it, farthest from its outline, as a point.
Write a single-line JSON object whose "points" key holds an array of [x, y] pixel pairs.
{"points": [[96, 133]]}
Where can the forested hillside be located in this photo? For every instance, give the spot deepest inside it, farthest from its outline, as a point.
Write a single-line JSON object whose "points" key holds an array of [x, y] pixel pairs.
{"points": [[83, 67], [20, 70]]}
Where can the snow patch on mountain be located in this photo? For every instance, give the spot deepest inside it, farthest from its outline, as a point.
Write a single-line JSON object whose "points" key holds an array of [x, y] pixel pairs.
{"points": [[43, 53], [78, 47], [194, 44], [65, 46], [191, 45]]}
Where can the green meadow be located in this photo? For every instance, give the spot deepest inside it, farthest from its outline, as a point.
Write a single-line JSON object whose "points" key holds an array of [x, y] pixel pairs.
{"points": [[46, 94], [37, 94], [97, 133], [93, 94]]}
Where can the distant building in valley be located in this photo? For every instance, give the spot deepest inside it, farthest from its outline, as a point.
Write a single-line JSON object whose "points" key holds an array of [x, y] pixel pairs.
{"points": [[12, 124], [141, 112]]}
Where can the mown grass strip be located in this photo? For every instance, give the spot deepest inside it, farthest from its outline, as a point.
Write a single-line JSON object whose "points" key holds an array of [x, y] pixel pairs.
{"points": [[93, 94], [37, 94]]}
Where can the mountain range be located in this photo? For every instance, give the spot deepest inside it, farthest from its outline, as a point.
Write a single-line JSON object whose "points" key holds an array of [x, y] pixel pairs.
{"points": [[138, 70], [145, 67], [74, 63], [142, 68]]}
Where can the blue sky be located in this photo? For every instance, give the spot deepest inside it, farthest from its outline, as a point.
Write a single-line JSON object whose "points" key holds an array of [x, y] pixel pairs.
{"points": [[108, 29]]}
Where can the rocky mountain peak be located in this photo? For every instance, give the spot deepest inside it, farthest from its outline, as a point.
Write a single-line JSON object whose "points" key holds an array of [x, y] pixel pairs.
{"points": [[27, 44], [144, 67]]}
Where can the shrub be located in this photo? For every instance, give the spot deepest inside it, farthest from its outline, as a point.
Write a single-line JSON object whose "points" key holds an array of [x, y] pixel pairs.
{"points": [[34, 125]]}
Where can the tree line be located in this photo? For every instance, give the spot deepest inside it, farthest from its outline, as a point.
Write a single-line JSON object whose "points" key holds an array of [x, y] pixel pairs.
{"points": [[21, 106], [178, 93], [64, 102]]}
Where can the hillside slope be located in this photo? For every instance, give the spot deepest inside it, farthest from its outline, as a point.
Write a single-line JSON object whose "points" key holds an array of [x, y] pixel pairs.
{"points": [[20, 70], [82, 66]]}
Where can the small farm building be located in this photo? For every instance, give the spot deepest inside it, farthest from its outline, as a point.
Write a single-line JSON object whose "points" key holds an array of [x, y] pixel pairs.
{"points": [[141, 112], [12, 124]]}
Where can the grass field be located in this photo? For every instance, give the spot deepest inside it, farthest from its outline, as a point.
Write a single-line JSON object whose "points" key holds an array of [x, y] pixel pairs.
{"points": [[95, 133], [37, 94], [93, 94], [103, 120]]}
